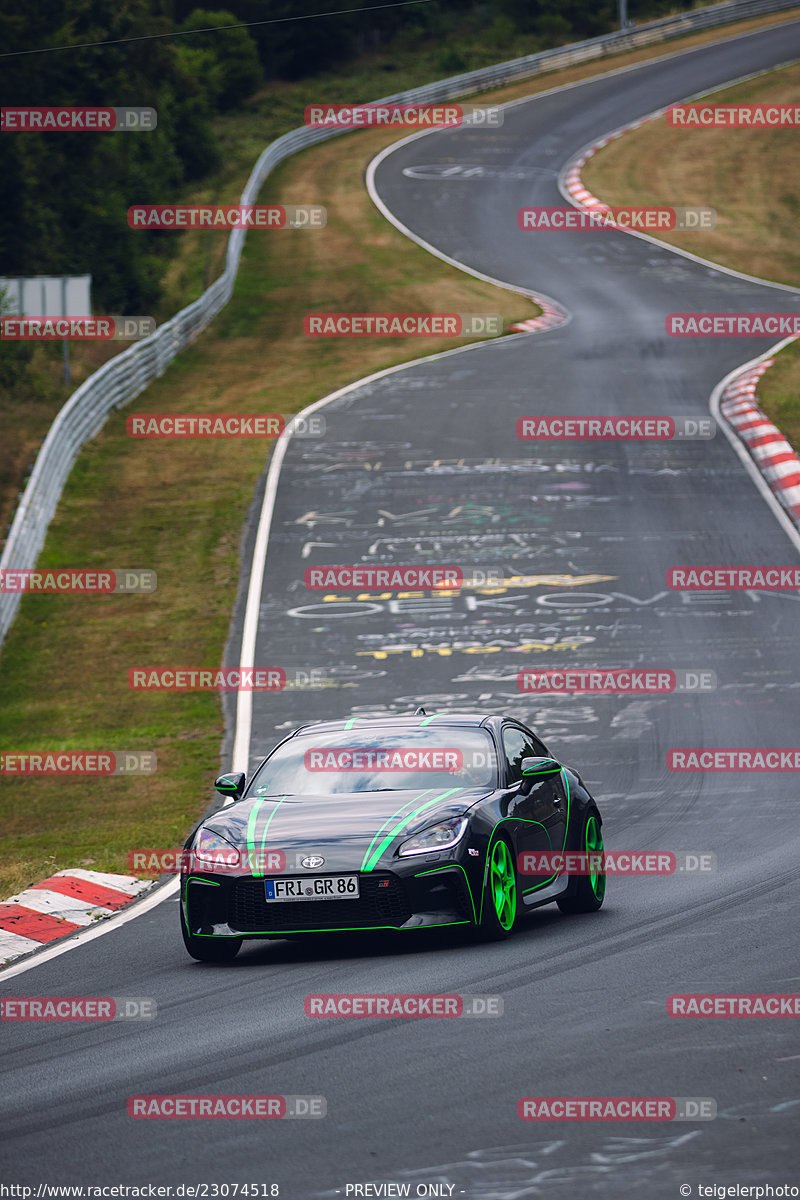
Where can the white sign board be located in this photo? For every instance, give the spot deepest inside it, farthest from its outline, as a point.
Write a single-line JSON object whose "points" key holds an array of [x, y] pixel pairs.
{"points": [[48, 296]]}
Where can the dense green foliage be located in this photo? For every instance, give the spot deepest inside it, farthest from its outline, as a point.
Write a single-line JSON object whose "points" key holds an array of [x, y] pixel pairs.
{"points": [[64, 196]]}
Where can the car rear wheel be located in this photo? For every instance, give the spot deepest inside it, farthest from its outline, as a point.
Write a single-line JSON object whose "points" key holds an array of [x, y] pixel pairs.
{"points": [[591, 889], [499, 913], [209, 949]]}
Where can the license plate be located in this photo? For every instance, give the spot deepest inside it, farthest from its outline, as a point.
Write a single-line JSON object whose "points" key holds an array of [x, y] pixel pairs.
{"points": [[313, 887]]}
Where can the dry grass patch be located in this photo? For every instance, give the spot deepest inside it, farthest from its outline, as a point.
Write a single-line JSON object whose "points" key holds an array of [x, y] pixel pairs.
{"points": [[779, 393], [751, 178]]}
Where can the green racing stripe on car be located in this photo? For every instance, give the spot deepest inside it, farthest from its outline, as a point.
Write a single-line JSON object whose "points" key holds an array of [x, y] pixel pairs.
{"points": [[387, 841], [252, 821], [251, 825], [388, 821]]}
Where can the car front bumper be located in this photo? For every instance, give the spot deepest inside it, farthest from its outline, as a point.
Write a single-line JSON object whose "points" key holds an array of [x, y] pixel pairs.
{"points": [[236, 906]]}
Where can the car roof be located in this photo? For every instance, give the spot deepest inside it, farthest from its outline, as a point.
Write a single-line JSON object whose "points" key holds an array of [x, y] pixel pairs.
{"points": [[461, 720]]}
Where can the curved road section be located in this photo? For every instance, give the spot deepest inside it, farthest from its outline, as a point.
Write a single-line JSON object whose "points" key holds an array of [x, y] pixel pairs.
{"points": [[423, 465]]}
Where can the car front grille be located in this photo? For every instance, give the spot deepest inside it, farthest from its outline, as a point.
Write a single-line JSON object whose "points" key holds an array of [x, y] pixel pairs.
{"points": [[382, 903]]}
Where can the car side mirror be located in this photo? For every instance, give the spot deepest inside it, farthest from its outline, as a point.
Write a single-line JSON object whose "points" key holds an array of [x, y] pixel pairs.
{"points": [[534, 770], [231, 786], [540, 766]]}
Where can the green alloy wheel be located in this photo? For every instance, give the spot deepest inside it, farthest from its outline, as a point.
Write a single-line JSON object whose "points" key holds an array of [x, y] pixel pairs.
{"points": [[500, 894], [591, 889]]}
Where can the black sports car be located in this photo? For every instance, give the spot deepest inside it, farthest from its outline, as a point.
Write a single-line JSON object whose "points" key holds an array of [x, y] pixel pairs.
{"points": [[390, 823]]}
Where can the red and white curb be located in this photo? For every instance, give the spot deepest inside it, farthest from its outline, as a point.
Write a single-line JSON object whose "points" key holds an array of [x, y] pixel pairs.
{"points": [[764, 442], [61, 904], [766, 445], [552, 316], [573, 184]]}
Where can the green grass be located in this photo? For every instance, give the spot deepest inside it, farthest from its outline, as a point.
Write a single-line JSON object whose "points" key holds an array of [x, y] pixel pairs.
{"points": [[779, 393]]}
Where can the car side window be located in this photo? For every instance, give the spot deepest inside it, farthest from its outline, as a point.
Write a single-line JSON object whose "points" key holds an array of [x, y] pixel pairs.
{"points": [[515, 747]]}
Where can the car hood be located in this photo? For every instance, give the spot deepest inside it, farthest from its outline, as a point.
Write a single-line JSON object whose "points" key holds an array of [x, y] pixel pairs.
{"points": [[351, 830]]}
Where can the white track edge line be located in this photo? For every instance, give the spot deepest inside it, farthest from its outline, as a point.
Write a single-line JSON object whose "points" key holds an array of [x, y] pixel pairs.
{"points": [[591, 148], [783, 518], [453, 262]]}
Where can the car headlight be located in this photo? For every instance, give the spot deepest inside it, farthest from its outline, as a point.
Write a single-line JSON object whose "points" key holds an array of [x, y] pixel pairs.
{"points": [[443, 836], [213, 848]]}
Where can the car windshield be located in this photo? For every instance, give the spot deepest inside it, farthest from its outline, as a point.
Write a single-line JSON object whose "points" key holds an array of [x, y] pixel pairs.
{"points": [[384, 760]]}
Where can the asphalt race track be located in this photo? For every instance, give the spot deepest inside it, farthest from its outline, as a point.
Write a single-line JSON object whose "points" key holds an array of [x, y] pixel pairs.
{"points": [[424, 465]]}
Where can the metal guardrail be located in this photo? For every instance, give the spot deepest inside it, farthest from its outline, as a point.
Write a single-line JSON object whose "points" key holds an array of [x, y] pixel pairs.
{"points": [[126, 375]]}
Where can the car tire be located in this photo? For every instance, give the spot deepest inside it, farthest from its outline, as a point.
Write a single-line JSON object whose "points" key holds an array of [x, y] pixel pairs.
{"points": [[210, 949], [500, 895], [589, 890]]}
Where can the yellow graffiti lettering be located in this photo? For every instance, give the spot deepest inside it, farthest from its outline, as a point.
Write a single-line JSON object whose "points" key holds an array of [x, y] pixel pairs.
{"points": [[515, 582], [444, 651]]}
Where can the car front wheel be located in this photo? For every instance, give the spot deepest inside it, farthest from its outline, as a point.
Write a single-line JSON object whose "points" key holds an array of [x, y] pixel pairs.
{"points": [[499, 909], [209, 949]]}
